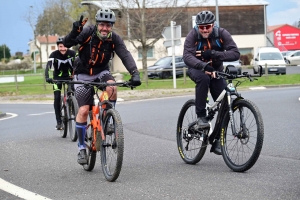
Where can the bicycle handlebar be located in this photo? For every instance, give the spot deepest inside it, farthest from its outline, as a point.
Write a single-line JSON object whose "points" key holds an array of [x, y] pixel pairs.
{"points": [[234, 76], [99, 84]]}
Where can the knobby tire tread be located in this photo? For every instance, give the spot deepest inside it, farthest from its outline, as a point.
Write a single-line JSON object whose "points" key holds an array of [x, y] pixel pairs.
{"points": [[259, 141], [73, 107], [120, 146], [199, 155]]}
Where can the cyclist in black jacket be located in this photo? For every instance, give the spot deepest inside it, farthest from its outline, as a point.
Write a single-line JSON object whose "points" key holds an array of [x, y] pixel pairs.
{"points": [[62, 61], [98, 42], [207, 42]]}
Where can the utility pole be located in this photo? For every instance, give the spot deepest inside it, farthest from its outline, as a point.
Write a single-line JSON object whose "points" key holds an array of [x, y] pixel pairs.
{"points": [[217, 13], [4, 52]]}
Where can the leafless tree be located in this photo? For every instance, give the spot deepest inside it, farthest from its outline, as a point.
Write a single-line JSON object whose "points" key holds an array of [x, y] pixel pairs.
{"points": [[30, 17], [142, 21], [54, 19]]}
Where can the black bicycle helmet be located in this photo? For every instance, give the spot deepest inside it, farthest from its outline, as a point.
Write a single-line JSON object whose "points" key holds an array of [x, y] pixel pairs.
{"points": [[205, 17], [105, 15], [59, 40]]}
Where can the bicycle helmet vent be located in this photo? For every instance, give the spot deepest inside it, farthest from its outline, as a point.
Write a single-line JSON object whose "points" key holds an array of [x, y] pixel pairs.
{"points": [[105, 15], [59, 40], [205, 17]]}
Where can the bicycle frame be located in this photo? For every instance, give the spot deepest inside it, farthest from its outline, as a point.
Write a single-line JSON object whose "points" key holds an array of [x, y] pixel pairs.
{"points": [[221, 105], [97, 113]]}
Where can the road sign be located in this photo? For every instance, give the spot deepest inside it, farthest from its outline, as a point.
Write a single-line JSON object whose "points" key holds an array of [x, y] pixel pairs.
{"points": [[168, 43], [167, 32]]}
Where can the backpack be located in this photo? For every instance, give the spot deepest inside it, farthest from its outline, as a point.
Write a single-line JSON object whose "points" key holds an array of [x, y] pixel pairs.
{"points": [[216, 33], [93, 50]]}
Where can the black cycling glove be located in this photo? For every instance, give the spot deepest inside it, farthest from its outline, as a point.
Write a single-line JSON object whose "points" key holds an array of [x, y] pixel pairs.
{"points": [[209, 68], [78, 25], [49, 80], [135, 79], [206, 54]]}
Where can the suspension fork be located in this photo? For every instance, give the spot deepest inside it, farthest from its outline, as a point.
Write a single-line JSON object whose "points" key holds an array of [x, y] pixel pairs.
{"points": [[231, 117]]}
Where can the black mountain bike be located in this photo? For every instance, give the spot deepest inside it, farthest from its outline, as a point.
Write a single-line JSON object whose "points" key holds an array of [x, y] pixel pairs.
{"points": [[68, 110], [239, 124]]}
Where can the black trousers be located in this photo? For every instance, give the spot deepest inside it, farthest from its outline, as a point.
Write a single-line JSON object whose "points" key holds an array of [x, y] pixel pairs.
{"points": [[57, 95], [204, 83]]}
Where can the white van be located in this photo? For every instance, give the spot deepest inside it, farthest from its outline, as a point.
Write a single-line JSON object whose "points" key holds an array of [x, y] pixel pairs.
{"points": [[272, 57]]}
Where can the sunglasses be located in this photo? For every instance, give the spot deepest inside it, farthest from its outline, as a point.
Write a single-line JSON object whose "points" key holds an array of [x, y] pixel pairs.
{"points": [[207, 26], [107, 25]]}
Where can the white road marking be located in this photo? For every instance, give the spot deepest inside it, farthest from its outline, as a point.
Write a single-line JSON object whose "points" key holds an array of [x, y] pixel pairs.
{"points": [[44, 113], [257, 88], [20, 192], [12, 115]]}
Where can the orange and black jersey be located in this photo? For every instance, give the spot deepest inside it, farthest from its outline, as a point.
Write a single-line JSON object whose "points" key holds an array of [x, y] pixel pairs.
{"points": [[95, 53]]}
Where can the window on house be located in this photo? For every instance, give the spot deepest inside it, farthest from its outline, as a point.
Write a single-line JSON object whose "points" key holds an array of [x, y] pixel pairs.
{"points": [[149, 53]]}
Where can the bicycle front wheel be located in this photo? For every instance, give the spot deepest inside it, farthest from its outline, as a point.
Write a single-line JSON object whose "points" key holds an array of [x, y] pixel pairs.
{"points": [[112, 148], [190, 142], [240, 151], [73, 110], [64, 118]]}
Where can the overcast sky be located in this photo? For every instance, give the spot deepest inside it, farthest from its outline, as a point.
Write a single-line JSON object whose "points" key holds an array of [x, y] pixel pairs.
{"points": [[15, 32]]}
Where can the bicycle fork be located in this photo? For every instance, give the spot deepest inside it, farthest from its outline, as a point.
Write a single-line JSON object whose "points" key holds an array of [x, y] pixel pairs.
{"points": [[241, 134], [231, 117], [97, 127]]}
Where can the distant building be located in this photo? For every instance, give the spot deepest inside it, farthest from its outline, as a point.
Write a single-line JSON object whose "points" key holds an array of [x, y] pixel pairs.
{"points": [[244, 19], [42, 42], [285, 37]]}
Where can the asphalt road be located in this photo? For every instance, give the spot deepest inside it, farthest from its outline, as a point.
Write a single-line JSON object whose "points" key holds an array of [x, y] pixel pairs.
{"points": [[34, 157]]}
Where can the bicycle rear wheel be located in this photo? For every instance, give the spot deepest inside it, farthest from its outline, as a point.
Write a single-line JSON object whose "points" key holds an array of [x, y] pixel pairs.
{"points": [[112, 148], [73, 110], [191, 145], [240, 152], [89, 138], [64, 118]]}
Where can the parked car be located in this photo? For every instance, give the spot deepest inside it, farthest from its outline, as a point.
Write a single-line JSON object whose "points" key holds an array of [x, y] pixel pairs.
{"points": [[285, 54], [237, 64], [271, 57], [163, 68], [294, 58]]}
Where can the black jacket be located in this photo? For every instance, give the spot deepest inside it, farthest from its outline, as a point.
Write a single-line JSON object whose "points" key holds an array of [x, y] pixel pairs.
{"points": [[227, 52], [103, 51], [62, 64]]}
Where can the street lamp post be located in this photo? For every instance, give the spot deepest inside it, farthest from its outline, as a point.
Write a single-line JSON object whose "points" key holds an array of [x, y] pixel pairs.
{"points": [[217, 13]]}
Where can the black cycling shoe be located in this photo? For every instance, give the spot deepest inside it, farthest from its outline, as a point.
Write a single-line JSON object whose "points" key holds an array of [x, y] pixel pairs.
{"points": [[59, 126], [82, 157], [202, 122], [216, 147]]}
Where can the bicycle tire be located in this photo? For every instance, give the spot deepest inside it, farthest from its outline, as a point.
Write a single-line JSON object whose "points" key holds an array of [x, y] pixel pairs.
{"points": [[241, 152], [112, 148], [73, 110], [190, 148], [89, 138], [64, 118]]}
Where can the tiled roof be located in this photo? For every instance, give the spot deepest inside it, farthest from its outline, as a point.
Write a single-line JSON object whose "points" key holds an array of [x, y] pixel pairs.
{"points": [[51, 39]]}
